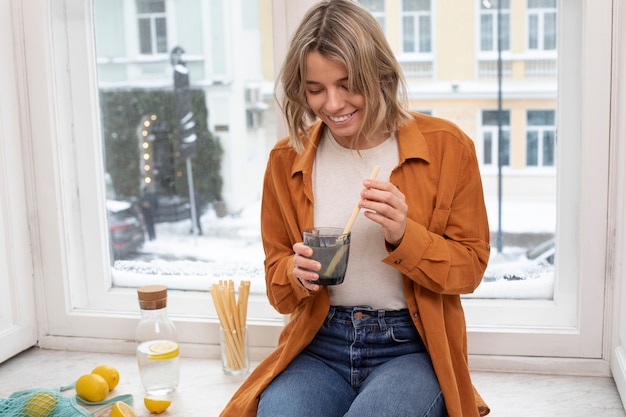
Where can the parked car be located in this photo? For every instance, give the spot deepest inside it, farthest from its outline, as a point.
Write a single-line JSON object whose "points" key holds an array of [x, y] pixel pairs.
{"points": [[534, 263], [126, 228]]}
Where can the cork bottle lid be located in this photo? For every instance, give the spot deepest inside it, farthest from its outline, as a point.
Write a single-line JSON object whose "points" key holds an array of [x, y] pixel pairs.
{"points": [[152, 297]]}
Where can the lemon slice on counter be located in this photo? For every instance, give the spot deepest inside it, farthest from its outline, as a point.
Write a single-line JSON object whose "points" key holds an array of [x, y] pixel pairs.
{"points": [[156, 405], [121, 409], [160, 351]]}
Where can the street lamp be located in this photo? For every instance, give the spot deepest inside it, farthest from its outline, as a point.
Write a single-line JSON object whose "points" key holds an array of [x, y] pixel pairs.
{"points": [[488, 5]]}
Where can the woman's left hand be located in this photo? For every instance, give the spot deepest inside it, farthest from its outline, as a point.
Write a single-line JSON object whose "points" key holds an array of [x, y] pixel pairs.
{"points": [[385, 205]]}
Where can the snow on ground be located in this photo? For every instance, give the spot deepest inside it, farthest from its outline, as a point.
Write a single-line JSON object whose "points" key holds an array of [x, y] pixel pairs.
{"points": [[230, 248]]}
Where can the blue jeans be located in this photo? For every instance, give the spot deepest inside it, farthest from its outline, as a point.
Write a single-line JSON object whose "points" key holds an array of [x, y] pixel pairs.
{"points": [[362, 362]]}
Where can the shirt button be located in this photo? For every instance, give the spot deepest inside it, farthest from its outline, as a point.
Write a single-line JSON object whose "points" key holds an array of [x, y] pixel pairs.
{"points": [[397, 261]]}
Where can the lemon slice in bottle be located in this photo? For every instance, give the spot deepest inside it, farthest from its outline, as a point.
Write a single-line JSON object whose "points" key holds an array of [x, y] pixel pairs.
{"points": [[160, 351]]}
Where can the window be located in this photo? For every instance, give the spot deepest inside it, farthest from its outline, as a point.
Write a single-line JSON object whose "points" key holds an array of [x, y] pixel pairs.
{"points": [[255, 107], [83, 305], [540, 138], [197, 205], [542, 25], [416, 26], [152, 27], [490, 138], [489, 25]]}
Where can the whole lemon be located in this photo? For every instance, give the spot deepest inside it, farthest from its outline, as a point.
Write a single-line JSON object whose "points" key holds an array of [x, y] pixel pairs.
{"points": [[92, 387], [109, 373], [40, 404]]}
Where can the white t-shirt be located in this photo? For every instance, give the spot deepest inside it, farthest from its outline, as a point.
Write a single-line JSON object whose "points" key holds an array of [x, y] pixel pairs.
{"points": [[338, 175]]}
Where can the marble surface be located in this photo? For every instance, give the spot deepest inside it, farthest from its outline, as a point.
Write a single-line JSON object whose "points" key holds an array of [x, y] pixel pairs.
{"points": [[204, 389]]}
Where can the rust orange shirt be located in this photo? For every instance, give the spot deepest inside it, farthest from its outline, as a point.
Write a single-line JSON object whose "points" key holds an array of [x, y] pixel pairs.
{"points": [[443, 254]]}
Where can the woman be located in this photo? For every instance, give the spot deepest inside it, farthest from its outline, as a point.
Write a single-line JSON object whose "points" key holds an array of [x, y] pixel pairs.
{"points": [[390, 340]]}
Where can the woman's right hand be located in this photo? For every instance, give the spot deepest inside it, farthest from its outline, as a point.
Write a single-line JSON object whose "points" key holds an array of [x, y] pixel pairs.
{"points": [[303, 266]]}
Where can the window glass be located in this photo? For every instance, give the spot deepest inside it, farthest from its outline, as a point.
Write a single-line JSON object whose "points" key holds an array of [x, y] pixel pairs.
{"points": [[145, 36], [521, 200], [150, 6], [489, 25], [542, 25], [549, 30], [415, 5], [540, 138], [187, 214], [185, 138], [424, 34], [486, 32], [416, 24], [152, 26], [161, 35], [490, 134]]}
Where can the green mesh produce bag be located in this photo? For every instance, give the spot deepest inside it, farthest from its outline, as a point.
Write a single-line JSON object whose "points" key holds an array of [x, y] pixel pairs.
{"points": [[40, 402]]}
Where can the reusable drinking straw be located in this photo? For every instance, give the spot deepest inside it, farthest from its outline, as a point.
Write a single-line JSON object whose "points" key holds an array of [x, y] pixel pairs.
{"points": [[232, 315], [335, 261]]}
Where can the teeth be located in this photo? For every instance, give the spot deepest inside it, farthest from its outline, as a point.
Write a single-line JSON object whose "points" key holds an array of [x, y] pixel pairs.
{"points": [[340, 119]]}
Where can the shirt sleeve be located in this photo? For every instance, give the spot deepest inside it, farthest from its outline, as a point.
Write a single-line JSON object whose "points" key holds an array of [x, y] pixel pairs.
{"points": [[449, 254], [279, 231]]}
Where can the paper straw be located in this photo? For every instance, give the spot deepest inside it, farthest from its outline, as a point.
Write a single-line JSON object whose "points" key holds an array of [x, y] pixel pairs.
{"points": [[335, 261], [232, 316]]}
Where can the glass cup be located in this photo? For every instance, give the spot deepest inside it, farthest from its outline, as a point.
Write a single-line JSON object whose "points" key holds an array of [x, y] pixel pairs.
{"points": [[235, 355], [331, 247]]}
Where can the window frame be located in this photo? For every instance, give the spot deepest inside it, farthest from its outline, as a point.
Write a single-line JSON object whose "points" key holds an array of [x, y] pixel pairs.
{"points": [[79, 307], [495, 151], [540, 13], [493, 12], [417, 39], [152, 18], [541, 131]]}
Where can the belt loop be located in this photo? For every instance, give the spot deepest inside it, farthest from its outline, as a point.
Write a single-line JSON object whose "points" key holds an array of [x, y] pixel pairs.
{"points": [[382, 324]]}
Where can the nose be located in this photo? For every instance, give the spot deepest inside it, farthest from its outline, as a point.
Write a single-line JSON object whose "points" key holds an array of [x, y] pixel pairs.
{"points": [[334, 100]]}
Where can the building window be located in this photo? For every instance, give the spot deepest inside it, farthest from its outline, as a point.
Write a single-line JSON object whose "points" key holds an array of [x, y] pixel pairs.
{"points": [[540, 138], [490, 137], [151, 20], [489, 25], [255, 107], [416, 26], [542, 25]]}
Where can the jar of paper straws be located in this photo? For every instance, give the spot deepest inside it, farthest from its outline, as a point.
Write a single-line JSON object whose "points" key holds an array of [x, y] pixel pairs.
{"points": [[231, 310]]}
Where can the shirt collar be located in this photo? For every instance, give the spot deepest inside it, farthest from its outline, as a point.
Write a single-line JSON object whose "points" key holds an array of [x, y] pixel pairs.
{"points": [[411, 145]]}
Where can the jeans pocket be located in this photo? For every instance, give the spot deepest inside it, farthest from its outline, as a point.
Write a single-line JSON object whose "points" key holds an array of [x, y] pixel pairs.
{"points": [[403, 333]]}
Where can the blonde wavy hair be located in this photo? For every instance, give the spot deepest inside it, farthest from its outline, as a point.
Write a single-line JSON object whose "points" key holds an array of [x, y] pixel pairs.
{"points": [[345, 32]]}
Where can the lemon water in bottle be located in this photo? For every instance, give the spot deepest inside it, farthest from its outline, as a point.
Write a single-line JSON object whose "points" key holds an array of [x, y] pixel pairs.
{"points": [[157, 343]]}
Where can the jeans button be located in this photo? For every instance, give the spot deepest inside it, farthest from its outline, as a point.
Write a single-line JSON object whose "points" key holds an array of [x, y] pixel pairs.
{"points": [[358, 315]]}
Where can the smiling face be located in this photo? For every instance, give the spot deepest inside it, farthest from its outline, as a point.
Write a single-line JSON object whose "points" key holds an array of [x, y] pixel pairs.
{"points": [[329, 97]]}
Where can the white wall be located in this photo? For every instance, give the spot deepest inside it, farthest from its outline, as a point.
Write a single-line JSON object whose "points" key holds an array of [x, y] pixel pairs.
{"points": [[618, 357]]}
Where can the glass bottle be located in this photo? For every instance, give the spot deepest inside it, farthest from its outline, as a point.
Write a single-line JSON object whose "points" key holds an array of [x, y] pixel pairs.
{"points": [[157, 343]]}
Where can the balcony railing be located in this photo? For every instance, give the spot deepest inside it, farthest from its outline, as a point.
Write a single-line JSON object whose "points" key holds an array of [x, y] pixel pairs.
{"points": [[518, 68]]}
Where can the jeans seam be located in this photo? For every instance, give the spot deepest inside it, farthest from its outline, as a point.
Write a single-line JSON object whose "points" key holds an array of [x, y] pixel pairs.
{"points": [[432, 405]]}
